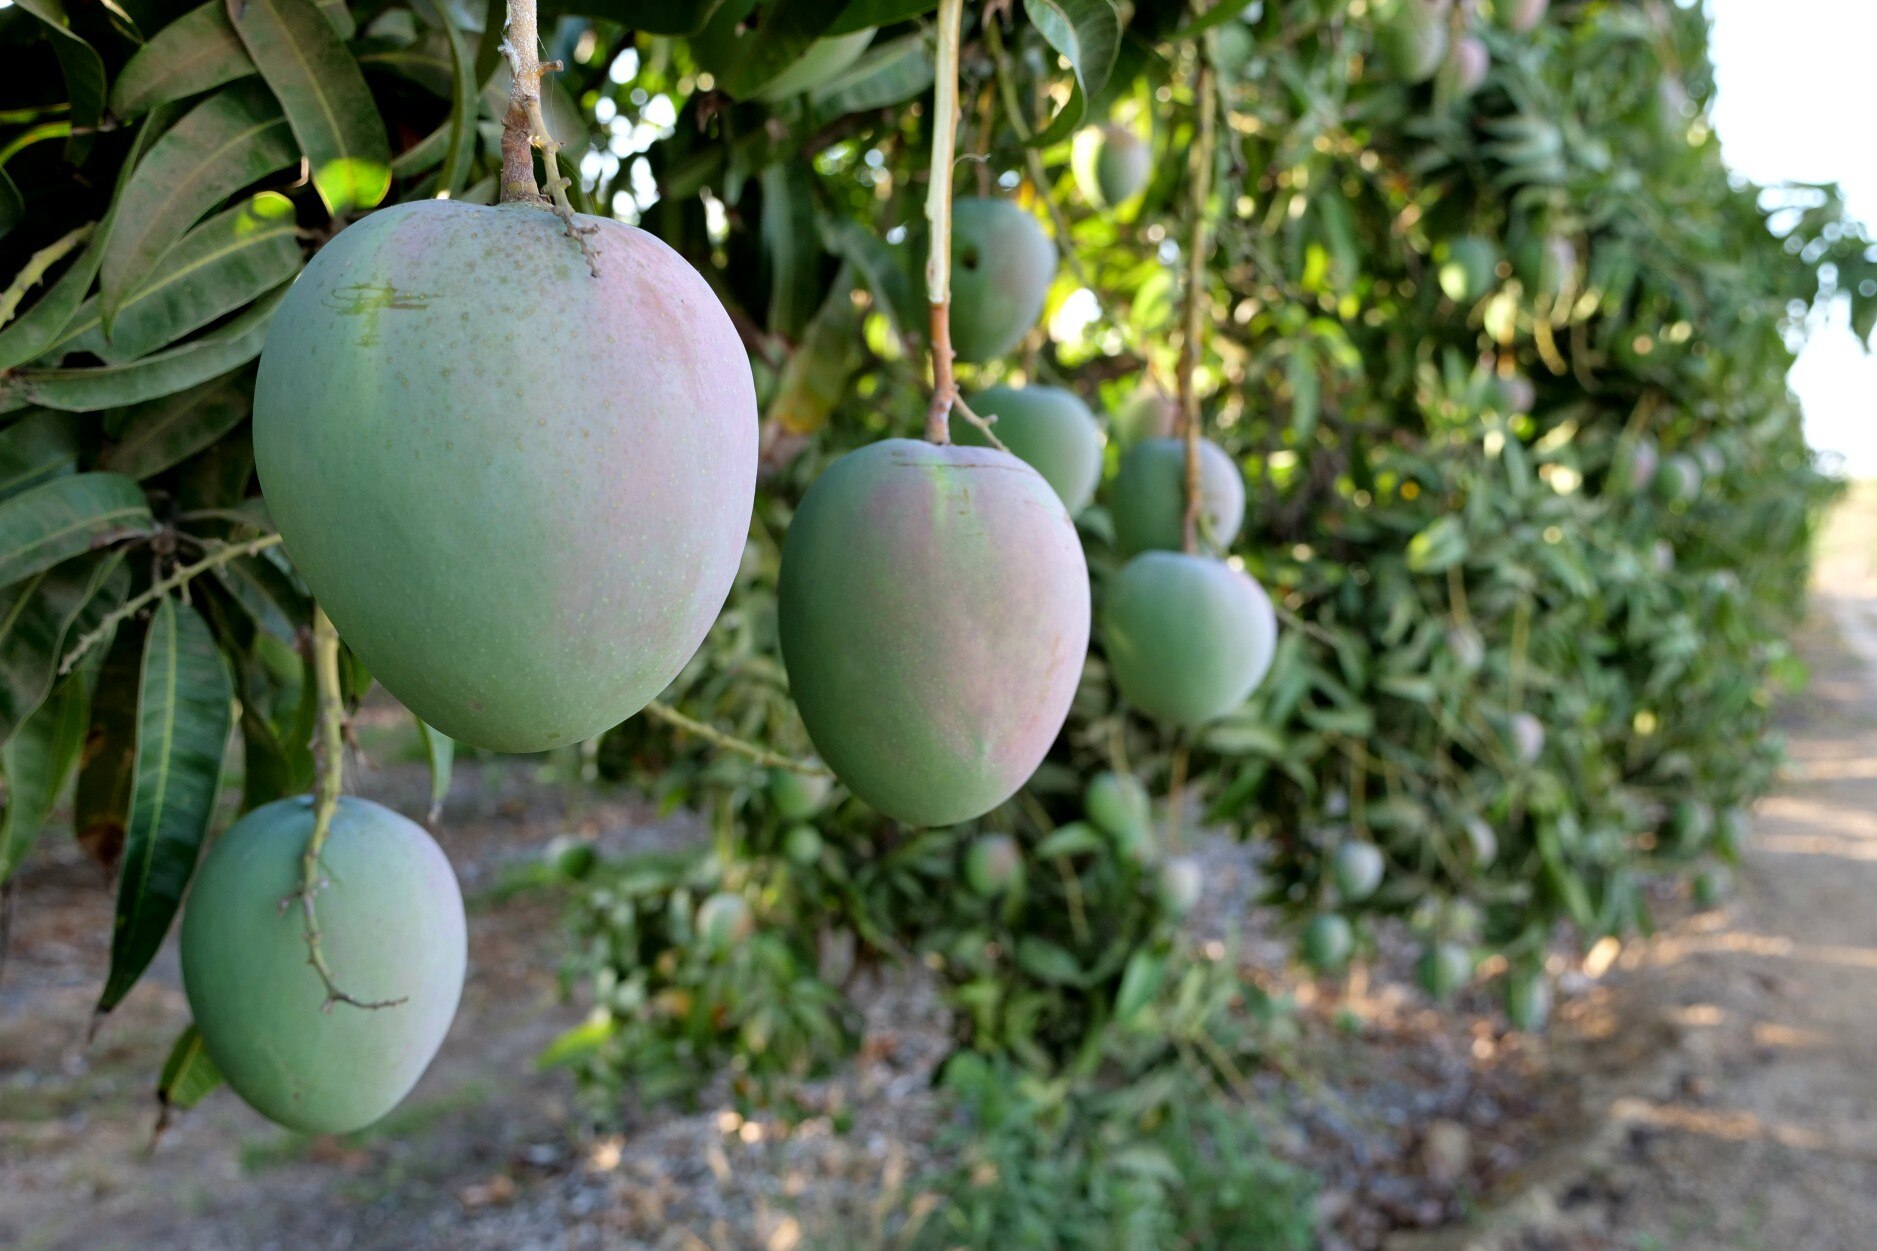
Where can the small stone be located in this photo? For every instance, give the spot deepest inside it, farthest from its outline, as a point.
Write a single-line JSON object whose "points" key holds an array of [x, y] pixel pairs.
{"points": [[1446, 1151]]}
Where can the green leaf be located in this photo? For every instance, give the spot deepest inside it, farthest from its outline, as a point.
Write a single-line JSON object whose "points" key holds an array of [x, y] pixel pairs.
{"points": [[792, 246], [747, 62], [197, 52], [12, 204], [1047, 962], [38, 446], [465, 104], [885, 276], [35, 330], [101, 800], [60, 519], [1140, 982], [41, 618], [165, 373], [188, 1075], [440, 751], [185, 705], [233, 138], [1088, 34], [83, 69], [36, 762], [169, 431], [323, 94], [887, 73], [860, 14], [269, 594], [1439, 546], [1077, 838], [221, 265]]}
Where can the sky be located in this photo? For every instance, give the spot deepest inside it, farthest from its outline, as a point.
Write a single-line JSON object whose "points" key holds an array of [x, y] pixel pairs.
{"points": [[1793, 102]]}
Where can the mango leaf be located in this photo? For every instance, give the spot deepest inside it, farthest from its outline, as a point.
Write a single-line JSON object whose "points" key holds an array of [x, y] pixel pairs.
{"points": [[83, 69], [745, 63], [323, 94], [164, 373], [66, 516], [465, 104], [221, 265], [12, 204], [188, 1075], [197, 52], [888, 73], [819, 370], [38, 446], [269, 594], [1048, 962], [34, 331], [440, 751], [654, 17], [231, 139], [36, 762], [860, 14], [882, 271], [185, 706], [792, 246], [41, 618], [1439, 546], [1088, 34], [1140, 982], [101, 799], [168, 431]]}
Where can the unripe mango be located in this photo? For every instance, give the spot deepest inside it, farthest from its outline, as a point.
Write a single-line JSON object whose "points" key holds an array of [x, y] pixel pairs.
{"points": [[391, 927], [724, 921], [1147, 414], [1148, 499], [1188, 638], [1002, 265], [1358, 870], [1328, 942], [1118, 804], [934, 613], [1049, 428], [521, 491], [993, 864], [1111, 164]]}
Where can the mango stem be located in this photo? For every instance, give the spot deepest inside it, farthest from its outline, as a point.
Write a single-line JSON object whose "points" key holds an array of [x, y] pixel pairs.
{"points": [[938, 212], [524, 128]]}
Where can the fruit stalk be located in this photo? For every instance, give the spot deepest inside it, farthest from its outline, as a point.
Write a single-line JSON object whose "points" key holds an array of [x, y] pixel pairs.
{"points": [[938, 212], [1206, 100], [524, 127], [329, 751], [729, 742]]}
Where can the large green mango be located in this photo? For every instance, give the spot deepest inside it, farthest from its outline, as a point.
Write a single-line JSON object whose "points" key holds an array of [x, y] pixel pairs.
{"points": [[520, 490], [934, 617], [1411, 35], [1148, 499], [1049, 428], [1002, 265], [1188, 638], [1149, 413], [391, 927], [1111, 164]]}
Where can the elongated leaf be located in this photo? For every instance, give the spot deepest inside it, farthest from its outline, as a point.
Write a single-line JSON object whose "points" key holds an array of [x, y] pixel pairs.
{"points": [[860, 14], [39, 446], [221, 265], [465, 103], [101, 800], [41, 618], [231, 139], [440, 751], [324, 96], [165, 373], [654, 17], [271, 595], [83, 69], [36, 763], [888, 73], [185, 705], [1088, 34], [747, 62], [12, 204], [38, 327], [197, 52], [60, 519], [883, 273], [792, 246], [168, 431], [188, 1075]]}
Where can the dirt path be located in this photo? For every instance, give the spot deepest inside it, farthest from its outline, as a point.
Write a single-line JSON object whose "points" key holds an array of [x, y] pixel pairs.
{"points": [[1731, 1064]]}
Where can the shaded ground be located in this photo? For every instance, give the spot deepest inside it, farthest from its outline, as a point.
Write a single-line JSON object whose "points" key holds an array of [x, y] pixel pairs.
{"points": [[1709, 1090]]}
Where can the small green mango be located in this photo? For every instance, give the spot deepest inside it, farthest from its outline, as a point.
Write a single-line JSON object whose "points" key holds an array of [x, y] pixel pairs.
{"points": [[1358, 870], [391, 928], [1328, 942], [1002, 265], [1047, 427], [796, 796], [724, 922], [1111, 164], [993, 864], [1118, 804], [1148, 498], [1444, 968], [1188, 638]]}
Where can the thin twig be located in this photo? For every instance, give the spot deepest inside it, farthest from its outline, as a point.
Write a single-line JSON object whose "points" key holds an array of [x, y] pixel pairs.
{"points": [[137, 603], [729, 742], [938, 212], [35, 269], [1206, 100], [329, 747]]}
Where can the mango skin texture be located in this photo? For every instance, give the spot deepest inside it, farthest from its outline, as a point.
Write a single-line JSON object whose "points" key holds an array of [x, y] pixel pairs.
{"points": [[1050, 429], [1188, 638], [391, 925], [520, 491], [1002, 265], [934, 614], [1148, 499]]}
